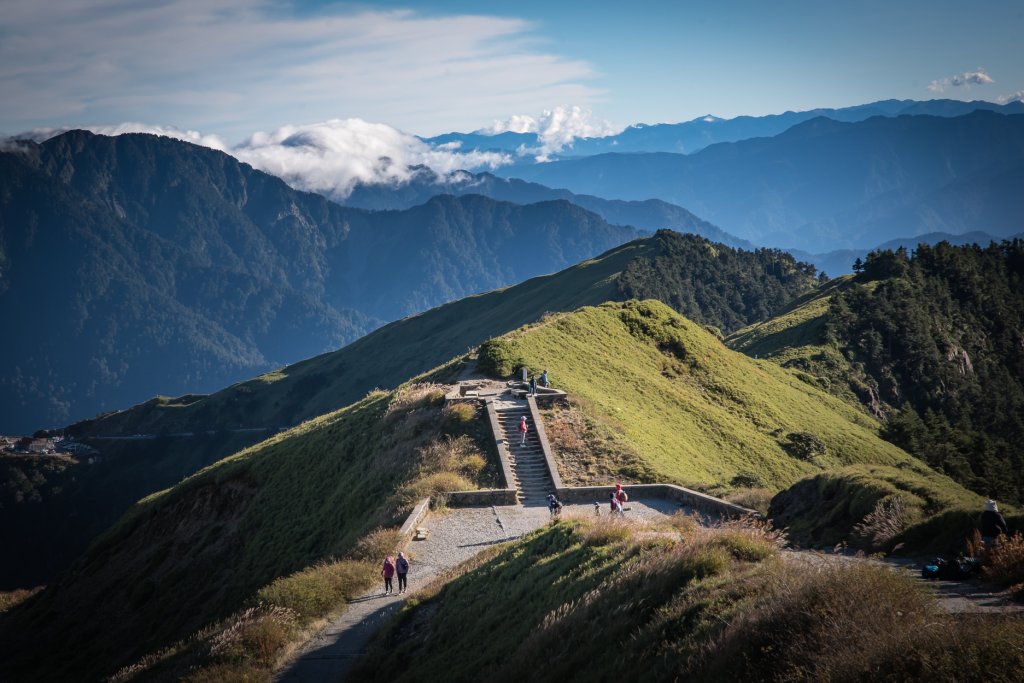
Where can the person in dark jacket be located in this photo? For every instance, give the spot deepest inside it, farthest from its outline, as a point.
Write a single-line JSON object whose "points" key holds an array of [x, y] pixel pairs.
{"points": [[401, 569], [992, 524]]}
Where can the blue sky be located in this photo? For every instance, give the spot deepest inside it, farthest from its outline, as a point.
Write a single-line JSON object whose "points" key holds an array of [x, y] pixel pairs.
{"points": [[230, 68]]}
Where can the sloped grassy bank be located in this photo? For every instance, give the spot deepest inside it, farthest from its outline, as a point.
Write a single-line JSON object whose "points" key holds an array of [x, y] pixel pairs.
{"points": [[186, 557], [656, 397], [693, 411], [588, 599]]}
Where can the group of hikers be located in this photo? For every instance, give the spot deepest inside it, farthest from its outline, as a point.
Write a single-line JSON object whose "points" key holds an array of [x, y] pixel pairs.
{"points": [[533, 382], [618, 499], [393, 567]]}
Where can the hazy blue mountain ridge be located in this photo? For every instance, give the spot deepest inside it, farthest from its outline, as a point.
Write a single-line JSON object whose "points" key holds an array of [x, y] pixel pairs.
{"points": [[650, 214], [139, 265], [694, 135], [823, 184]]}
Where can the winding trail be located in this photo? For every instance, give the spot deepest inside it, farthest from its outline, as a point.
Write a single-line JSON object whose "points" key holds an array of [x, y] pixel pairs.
{"points": [[455, 536]]}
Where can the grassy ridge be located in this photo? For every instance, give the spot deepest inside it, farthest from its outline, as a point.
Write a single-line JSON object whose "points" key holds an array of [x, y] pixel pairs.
{"points": [[588, 600], [184, 557], [695, 411]]}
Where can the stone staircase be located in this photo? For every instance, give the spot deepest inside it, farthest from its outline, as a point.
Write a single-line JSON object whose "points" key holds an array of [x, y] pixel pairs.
{"points": [[530, 469]]}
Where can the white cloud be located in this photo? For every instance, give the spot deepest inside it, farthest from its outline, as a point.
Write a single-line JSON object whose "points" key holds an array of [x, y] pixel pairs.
{"points": [[233, 66], [966, 79], [556, 128], [330, 157], [1013, 97]]}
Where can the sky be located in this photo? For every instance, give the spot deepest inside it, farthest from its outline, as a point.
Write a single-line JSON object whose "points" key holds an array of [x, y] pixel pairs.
{"points": [[248, 76]]}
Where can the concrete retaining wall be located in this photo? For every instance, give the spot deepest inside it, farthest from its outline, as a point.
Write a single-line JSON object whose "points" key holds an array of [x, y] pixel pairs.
{"points": [[538, 425], [458, 499], [415, 517], [500, 443], [695, 499]]}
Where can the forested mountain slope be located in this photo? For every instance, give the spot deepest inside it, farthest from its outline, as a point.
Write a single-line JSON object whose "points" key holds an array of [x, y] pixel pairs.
{"points": [[135, 265], [933, 341]]}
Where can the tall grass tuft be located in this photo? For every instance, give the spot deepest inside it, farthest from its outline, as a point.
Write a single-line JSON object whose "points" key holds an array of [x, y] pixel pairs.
{"points": [[377, 544], [884, 523], [317, 590], [1004, 563]]}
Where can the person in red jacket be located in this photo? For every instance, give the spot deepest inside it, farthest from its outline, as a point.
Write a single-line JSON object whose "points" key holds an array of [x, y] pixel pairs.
{"points": [[523, 428], [388, 572]]}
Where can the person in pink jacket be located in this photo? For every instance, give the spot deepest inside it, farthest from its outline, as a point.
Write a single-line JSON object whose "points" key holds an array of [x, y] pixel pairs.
{"points": [[523, 428], [388, 573]]}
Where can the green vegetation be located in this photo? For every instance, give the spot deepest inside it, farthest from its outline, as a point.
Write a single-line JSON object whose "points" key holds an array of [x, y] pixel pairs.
{"points": [[587, 599], [684, 408], [927, 341], [933, 513], [939, 335], [384, 358], [715, 284], [184, 558]]}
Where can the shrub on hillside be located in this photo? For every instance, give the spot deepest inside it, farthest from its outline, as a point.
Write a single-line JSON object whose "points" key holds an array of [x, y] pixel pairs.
{"points": [[754, 498], [257, 634], [375, 545], [1004, 564], [804, 445], [459, 413], [498, 357], [435, 486], [316, 590]]}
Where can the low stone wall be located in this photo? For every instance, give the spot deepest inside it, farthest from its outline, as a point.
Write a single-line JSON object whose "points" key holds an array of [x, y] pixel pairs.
{"points": [[482, 497], [415, 517], [695, 499], [542, 436]]}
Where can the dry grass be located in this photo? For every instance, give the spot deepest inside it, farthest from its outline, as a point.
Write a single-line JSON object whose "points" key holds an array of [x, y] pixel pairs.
{"points": [[417, 395], [879, 527], [754, 498], [9, 599], [317, 590], [376, 545], [1004, 564]]}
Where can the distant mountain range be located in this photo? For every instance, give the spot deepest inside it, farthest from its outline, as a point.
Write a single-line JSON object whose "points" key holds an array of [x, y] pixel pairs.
{"points": [[650, 214], [138, 265], [691, 136], [824, 185]]}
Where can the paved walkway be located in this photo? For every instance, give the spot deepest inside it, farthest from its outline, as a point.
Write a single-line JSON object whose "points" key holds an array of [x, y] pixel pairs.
{"points": [[455, 536]]}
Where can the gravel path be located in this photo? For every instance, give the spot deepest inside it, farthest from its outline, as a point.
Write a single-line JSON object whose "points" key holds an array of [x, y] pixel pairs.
{"points": [[456, 535]]}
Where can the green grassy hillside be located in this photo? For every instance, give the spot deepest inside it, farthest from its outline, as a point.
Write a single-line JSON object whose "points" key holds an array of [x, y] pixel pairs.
{"points": [[694, 411], [591, 601], [184, 557], [712, 283]]}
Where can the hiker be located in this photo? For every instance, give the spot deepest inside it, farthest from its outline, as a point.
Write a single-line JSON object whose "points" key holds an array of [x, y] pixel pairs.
{"points": [[554, 505], [533, 386], [523, 428], [992, 524], [402, 568], [616, 505], [387, 572], [544, 379], [621, 495]]}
